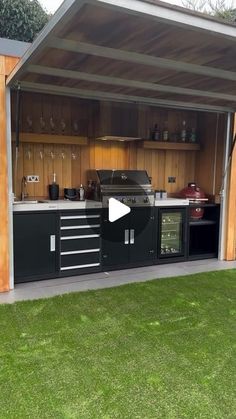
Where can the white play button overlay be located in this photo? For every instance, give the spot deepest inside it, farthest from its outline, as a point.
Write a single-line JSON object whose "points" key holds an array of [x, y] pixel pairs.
{"points": [[117, 210]]}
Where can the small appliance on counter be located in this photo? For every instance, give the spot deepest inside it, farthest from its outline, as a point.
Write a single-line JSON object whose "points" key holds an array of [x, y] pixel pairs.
{"points": [[195, 196], [73, 194], [53, 189], [160, 194], [70, 194]]}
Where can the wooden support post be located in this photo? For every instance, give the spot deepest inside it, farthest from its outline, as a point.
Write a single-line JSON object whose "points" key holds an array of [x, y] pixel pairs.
{"points": [[6, 65], [230, 248]]}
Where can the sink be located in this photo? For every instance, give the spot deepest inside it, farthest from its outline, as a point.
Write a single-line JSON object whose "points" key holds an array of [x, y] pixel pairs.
{"points": [[29, 202]]}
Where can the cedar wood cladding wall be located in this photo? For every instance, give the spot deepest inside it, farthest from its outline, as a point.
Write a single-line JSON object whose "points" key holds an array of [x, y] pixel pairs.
{"points": [[70, 162]]}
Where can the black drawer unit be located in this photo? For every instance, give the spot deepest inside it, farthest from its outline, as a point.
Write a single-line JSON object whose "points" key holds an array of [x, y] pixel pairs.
{"points": [[80, 242]]}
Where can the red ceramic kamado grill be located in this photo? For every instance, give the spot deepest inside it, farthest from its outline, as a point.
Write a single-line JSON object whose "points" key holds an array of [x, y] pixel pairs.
{"points": [[195, 196]]}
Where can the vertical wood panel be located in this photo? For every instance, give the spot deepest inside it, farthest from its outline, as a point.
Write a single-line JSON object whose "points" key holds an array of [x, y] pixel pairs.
{"points": [[66, 168], [10, 63], [48, 167], [160, 172], [190, 164], [78, 162], [38, 151], [98, 155], [87, 156], [132, 156], [106, 155], [205, 160], [57, 165], [28, 162]]}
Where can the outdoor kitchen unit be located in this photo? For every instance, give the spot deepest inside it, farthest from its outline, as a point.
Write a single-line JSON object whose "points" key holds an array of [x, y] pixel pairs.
{"points": [[133, 108]]}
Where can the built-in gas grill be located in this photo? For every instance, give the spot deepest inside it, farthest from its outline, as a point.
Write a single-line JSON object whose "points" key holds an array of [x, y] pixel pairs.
{"points": [[131, 187]]}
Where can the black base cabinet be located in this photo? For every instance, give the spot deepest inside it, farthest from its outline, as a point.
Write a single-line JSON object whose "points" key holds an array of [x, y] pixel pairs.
{"points": [[35, 246], [128, 241], [54, 244]]}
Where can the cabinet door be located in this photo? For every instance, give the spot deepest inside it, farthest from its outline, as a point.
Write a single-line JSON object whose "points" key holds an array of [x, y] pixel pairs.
{"points": [[115, 241], [141, 234], [34, 244], [172, 233]]}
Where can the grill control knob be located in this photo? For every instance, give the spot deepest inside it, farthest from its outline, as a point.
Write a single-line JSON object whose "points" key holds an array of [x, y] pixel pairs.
{"points": [[133, 200], [146, 200], [123, 200]]}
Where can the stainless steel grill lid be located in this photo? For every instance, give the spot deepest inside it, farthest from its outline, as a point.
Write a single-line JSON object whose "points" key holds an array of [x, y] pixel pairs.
{"points": [[132, 187], [123, 178]]}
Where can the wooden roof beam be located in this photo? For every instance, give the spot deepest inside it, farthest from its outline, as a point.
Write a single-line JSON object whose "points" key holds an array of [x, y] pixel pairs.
{"points": [[100, 95], [137, 58], [115, 81]]}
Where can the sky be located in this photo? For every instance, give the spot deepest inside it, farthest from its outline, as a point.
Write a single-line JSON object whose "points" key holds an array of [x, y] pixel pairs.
{"points": [[52, 5]]}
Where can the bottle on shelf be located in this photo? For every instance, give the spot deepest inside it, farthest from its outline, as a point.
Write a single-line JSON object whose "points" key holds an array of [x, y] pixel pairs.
{"points": [[192, 136], [156, 133], [183, 134], [165, 133], [175, 136]]}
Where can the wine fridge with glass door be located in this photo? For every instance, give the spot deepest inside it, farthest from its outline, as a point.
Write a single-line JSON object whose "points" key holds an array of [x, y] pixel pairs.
{"points": [[172, 233]]}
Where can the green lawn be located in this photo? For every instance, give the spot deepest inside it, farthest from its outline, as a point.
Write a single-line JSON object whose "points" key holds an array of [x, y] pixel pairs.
{"points": [[160, 349]]}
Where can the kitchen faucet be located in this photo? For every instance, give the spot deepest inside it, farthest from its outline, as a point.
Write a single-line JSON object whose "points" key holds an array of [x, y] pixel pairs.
{"points": [[24, 193]]}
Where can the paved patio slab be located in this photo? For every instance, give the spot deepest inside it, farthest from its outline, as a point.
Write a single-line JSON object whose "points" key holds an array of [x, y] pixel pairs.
{"points": [[52, 287]]}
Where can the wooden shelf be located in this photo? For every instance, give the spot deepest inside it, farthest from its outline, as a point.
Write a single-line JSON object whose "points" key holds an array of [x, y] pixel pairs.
{"points": [[162, 145], [30, 137]]}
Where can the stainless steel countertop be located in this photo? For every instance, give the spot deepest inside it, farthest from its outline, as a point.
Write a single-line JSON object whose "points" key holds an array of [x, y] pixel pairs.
{"points": [[171, 202], [60, 204]]}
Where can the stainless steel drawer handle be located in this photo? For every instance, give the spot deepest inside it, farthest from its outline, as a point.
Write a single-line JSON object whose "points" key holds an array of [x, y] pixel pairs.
{"points": [[126, 237], [52, 243], [88, 265], [85, 236], [80, 227], [79, 217], [131, 236]]}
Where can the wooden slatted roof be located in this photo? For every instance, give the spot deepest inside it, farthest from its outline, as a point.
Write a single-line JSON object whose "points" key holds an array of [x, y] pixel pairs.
{"points": [[133, 51]]}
